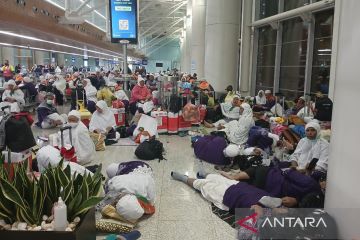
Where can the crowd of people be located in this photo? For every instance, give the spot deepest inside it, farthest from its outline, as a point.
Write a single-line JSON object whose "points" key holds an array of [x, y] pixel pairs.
{"points": [[249, 140]]}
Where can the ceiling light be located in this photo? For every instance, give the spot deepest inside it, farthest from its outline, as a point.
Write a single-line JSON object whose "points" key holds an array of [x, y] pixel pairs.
{"points": [[55, 43]]}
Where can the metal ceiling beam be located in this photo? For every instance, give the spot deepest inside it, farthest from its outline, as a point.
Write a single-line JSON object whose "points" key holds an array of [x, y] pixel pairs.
{"points": [[178, 6], [162, 45], [161, 29], [77, 11], [93, 8], [152, 42], [158, 22]]}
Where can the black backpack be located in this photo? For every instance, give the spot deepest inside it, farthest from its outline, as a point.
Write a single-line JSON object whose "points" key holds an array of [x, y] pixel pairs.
{"points": [[150, 150], [175, 104]]}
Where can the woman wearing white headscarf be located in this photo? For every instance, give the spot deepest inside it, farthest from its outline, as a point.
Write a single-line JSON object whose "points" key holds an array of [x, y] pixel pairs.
{"points": [[102, 120], [237, 132], [91, 97], [260, 98], [311, 148], [13, 97], [84, 146]]}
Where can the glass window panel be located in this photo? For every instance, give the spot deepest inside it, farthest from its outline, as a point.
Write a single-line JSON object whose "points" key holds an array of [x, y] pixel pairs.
{"points": [[294, 30], [267, 35], [322, 51], [264, 78], [292, 80], [266, 8], [266, 55], [266, 58], [294, 54], [292, 4], [293, 58]]}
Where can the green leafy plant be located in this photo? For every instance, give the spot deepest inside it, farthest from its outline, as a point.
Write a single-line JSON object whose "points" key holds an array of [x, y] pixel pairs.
{"points": [[27, 199]]}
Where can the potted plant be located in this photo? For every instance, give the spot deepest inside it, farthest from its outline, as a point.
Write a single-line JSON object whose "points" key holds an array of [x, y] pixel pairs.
{"points": [[27, 201]]}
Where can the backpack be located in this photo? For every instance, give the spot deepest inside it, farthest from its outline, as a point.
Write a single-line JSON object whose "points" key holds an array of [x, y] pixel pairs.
{"points": [[150, 150], [175, 104], [19, 136]]}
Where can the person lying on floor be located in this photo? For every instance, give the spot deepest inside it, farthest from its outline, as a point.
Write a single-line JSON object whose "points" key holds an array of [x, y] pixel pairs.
{"points": [[102, 120], [229, 110], [237, 132], [229, 194], [48, 116], [130, 189], [84, 146], [312, 152]]}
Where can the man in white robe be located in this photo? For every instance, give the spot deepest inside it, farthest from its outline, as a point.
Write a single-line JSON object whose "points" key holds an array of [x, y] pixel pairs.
{"points": [[12, 97]]}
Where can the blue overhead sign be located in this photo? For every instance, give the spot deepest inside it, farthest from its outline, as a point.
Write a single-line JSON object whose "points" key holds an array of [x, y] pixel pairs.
{"points": [[124, 20]]}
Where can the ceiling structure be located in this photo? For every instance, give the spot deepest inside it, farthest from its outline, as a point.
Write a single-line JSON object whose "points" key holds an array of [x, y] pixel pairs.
{"points": [[160, 21]]}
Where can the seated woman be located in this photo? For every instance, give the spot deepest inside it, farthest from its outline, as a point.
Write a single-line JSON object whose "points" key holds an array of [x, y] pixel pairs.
{"points": [[105, 94], [102, 120], [12, 97], [91, 92], [29, 86], [132, 186], [311, 151], [140, 93], [260, 98], [48, 116], [228, 110], [84, 146], [300, 109], [270, 102], [121, 95], [237, 132]]}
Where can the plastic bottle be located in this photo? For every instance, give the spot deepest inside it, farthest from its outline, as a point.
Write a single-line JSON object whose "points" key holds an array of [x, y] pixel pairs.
{"points": [[60, 216]]}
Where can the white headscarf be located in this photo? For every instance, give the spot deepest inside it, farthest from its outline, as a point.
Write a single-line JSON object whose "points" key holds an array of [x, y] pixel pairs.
{"points": [[112, 169], [102, 120], [90, 90], [315, 125], [11, 82], [140, 79], [231, 150], [129, 208], [27, 79], [74, 113], [42, 79], [261, 100]]}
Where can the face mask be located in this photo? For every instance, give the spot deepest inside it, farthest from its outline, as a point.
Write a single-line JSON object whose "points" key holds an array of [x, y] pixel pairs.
{"points": [[50, 102], [73, 124]]}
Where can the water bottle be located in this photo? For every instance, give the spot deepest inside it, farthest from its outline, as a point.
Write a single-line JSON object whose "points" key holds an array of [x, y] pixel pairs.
{"points": [[60, 216]]}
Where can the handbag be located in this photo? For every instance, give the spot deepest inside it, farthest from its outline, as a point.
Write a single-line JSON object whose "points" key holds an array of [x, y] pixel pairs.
{"points": [[99, 141]]}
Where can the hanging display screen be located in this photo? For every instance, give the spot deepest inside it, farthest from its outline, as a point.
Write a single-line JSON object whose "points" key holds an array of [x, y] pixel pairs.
{"points": [[124, 20]]}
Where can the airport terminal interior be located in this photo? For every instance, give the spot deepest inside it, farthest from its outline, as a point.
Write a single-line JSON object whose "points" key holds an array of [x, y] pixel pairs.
{"points": [[179, 119]]}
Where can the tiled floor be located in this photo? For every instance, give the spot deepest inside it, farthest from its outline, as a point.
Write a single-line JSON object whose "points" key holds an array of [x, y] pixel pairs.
{"points": [[181, 213]]}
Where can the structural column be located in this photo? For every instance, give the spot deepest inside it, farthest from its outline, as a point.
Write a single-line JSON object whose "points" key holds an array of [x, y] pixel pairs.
{"points": [[42, 57], [60, 59], [221, 41], [8, 53], [187, 39], [198, 37], [342, 199]]}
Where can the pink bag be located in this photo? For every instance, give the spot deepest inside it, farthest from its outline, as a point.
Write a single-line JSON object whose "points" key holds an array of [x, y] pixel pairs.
{"points": [[278, 129], [191, 113]]}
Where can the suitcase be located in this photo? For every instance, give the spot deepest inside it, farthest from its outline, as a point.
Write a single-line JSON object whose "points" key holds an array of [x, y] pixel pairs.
{"points": [[162, 120], [67, 153], [183, 125], [120, 116], [173, 123]]}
